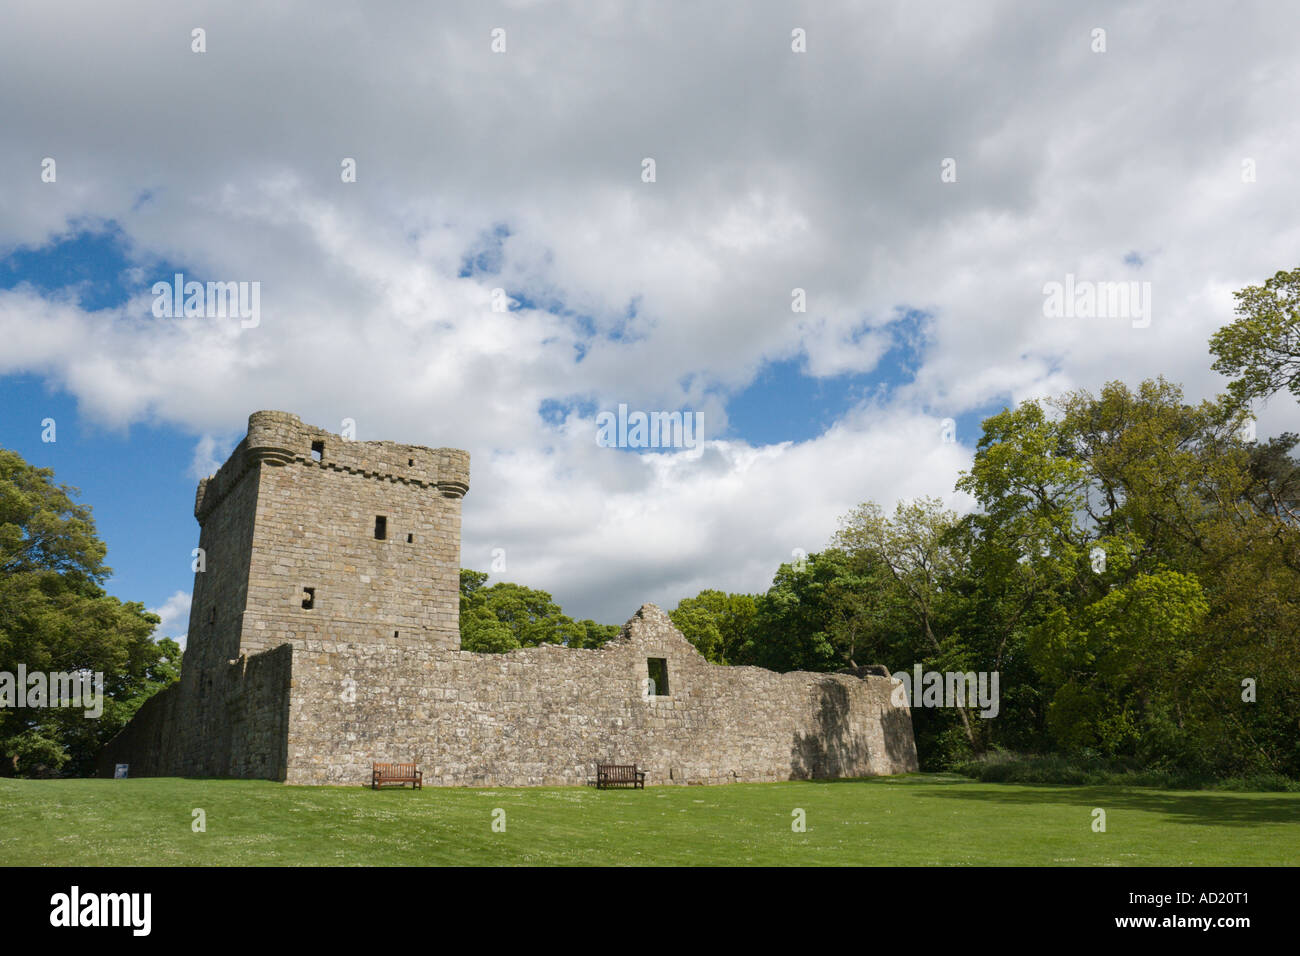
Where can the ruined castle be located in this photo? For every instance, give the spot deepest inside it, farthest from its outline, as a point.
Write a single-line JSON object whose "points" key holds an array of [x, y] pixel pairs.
{"points": [[324, 636]]}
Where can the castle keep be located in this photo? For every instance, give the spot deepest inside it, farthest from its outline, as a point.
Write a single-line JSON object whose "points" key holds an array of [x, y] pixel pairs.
{"points": [[324, 636]]}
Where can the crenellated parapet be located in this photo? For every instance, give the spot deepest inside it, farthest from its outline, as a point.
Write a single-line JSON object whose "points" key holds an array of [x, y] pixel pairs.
{"points": [[214, 489], [281, 439]]}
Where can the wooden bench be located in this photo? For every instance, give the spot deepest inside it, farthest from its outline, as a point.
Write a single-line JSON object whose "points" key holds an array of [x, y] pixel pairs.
{"points": [[610, 775], [399, 773]]}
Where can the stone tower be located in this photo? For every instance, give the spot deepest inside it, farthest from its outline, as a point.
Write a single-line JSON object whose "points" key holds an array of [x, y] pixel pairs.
{"points": [[310, 536], [306, 536]]}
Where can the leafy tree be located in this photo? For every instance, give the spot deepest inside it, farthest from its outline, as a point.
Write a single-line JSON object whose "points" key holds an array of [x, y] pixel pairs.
{"points": [[720, 625], [1262, 347], [480, 629], [1139, 553], [1118, 658], [596, 635], [699, 626], [56, 617], [820, 615], [916, 550], [791, 623], [507, 616]]}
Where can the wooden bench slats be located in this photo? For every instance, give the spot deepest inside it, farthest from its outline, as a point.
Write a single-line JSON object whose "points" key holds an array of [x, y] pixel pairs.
{"points": [[399, 773], [619, 775]]}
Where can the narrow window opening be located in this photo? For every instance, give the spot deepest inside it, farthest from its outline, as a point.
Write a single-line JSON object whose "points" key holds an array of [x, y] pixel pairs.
{"points": [[212, 615], [318, 451], [394, 633], [410, 462], [658, 669], [381, 527], [410, 539], [308, 598]]}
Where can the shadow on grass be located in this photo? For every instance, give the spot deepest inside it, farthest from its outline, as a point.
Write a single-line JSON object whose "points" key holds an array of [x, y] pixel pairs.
{"points": [[1208, 809], [896, 780]]}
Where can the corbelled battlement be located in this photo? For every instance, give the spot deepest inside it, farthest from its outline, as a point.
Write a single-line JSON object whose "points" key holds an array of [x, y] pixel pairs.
{"points": [[281, 438]]}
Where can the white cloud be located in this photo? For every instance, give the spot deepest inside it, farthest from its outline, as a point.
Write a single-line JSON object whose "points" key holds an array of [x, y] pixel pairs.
{"points": [[600, 527], [207, 457], [775, 171], [175, 614]]}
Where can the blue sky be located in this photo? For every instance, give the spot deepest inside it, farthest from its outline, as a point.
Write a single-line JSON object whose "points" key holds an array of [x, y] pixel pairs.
{"points": [[136, 480], [135, 477], [824, 170], [139, 479]]}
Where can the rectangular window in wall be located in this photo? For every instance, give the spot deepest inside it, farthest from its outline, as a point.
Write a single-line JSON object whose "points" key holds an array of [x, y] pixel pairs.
{"points": [[308, 598], [318, 451], [381, 527], [658, 668]]}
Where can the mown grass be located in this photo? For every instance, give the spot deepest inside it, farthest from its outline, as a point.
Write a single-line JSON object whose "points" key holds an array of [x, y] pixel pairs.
{"points": [[920, 819]]}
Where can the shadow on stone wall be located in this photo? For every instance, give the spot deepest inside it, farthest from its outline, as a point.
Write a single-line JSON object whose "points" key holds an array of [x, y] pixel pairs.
{"points": [[900, 747], [239, 729], [830, 750], [146, 741]]}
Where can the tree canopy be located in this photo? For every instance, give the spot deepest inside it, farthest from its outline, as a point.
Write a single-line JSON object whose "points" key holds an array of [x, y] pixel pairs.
{"points": [[506, 616], [1262, 347], [55, 617]]}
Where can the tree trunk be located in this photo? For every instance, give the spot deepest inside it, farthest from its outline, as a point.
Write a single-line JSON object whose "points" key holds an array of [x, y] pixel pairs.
{"points": [[961, 708]]}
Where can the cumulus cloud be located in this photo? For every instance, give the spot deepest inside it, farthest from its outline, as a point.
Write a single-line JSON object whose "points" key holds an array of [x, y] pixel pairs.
{"points": [[522, 171], [175, 614], [207, 457]]}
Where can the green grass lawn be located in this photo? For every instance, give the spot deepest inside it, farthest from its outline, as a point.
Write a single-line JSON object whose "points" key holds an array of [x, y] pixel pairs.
{"points": [[921, 819]]}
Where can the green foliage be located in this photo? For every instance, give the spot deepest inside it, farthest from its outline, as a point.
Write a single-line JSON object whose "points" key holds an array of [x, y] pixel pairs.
{"points": [[919, 560], [1088, 768], [719, 625], [596, 635], [793, 620], [699, 626], [1262, 347], [55, 617], [1142, 655], [508, 616], [1132, 565]]}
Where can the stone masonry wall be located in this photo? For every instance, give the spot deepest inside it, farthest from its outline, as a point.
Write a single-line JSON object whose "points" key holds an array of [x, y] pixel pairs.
{"points": [[373, 671], [246, 734], [148, 743], [217, 608], [547, 715]]}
